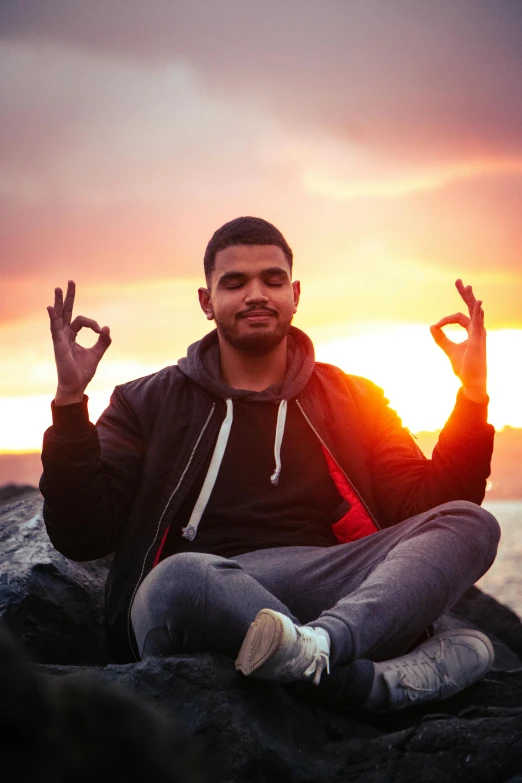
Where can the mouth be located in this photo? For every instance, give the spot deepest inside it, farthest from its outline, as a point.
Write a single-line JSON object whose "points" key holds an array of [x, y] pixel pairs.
{"points": [[257, 316]]}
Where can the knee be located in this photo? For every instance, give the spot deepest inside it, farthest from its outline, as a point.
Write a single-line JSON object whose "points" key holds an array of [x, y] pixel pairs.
{"points": [[184, 570], [172, 582], [185, 566], [491, 524], [481, 523], [483, 519]]}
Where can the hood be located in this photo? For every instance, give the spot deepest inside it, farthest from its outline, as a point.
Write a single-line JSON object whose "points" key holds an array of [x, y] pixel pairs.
{"points": [[201, 365]]}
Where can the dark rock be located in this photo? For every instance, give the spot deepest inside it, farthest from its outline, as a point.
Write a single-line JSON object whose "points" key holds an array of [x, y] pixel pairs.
{"points": [[261, 731], [80, 729], [54, 605], [11, 491]]}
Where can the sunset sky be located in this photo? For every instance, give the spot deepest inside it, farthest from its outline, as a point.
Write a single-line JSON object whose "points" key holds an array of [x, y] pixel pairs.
{"points": [[383, 137]]}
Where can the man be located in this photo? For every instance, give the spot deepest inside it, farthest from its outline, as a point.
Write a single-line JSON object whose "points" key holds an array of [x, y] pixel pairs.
{"points": [[265, 506]]}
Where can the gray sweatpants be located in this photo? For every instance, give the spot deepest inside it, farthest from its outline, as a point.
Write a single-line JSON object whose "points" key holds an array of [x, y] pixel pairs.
{"points": [[374, 596]]}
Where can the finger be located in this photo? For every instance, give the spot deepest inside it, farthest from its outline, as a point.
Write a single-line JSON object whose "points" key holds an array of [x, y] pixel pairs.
{"points": [[69, 302], [102, 343], [477, 309], [53, 322], [477, 320], [467, 294], [58, 302], [80, 321], [456, 318], [440, 338]]}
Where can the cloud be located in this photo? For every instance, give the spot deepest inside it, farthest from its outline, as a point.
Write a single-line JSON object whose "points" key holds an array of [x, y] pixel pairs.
{"points": [[414, 80], [106, 167], [132, 130]]}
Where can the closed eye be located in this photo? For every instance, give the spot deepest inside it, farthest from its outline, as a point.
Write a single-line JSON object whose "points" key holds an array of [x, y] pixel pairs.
{"points": [[275, 278]]}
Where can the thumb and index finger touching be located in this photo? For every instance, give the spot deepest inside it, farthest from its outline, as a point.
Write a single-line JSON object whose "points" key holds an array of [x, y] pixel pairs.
{"points": [[437, 331], [60, 316], [103, 342], [442, 340]]}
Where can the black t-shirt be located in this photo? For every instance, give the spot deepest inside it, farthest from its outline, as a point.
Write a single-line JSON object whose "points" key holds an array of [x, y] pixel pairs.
{"points": [[245, 511]]}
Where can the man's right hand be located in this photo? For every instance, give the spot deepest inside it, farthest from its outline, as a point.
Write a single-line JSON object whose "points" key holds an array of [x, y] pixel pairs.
{"points": [[75, 365]]}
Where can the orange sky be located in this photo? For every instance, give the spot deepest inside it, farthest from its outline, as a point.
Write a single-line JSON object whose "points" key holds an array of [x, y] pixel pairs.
{"points": [[383, 139]]}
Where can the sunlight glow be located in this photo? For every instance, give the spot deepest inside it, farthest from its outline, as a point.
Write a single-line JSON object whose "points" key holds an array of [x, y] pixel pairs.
{"points": [[414, 373], [417, 377], [25, 419]]}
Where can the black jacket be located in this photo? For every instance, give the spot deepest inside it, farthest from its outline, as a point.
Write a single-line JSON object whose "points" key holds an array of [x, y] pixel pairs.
{"points": [[114, 487]]}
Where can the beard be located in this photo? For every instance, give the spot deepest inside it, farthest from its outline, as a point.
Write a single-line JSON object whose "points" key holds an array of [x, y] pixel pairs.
{"points": [[259, 341]]}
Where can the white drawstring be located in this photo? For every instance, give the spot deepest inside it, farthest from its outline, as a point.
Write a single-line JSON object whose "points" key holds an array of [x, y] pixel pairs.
{"points": [[280, 428], [189, 532]]}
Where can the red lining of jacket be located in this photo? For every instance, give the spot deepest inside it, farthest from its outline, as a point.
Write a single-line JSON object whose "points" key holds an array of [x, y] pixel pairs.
{"points": [[356, 523], [160, 550]]}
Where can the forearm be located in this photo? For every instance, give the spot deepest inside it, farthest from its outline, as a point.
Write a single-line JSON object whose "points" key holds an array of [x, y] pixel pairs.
{"points": [[461, 460], [84, 509], [408, 485]]}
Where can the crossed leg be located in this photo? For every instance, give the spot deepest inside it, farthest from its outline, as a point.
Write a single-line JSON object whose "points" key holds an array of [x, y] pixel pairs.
{"points": [[373, 596]]}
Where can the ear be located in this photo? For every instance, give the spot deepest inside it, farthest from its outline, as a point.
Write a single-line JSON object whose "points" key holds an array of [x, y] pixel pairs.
{"points": [[205, 304], [296, 285]]}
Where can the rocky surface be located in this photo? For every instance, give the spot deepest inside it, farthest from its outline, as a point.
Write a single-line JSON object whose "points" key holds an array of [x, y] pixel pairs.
{"points": [[79, 730], [259, 731], [54, 605]]}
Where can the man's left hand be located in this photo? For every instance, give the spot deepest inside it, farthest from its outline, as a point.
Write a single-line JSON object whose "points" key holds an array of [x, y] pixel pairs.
{"points": [[468, 358]]}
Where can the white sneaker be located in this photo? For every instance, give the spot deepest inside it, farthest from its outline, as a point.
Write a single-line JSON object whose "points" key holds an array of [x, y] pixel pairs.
{"points": [[274, 648], [437, 669]]}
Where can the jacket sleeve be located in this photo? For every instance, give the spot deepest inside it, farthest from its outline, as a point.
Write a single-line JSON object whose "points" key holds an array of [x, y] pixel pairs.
{"points": [[406, 483], [91, 475]]}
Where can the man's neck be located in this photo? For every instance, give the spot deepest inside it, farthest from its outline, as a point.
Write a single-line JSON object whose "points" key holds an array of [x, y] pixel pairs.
{"points": [[255, 373]]}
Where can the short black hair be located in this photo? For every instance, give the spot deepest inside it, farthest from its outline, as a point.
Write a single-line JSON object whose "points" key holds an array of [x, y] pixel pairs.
{"points": [[244, 231]]}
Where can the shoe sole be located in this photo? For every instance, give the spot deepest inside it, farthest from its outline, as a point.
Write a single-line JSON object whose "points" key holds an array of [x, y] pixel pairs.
{"points": [[261, 643]]}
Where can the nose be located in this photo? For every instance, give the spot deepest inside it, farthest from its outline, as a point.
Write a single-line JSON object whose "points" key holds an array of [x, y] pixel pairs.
{"points": [[256, 293]]}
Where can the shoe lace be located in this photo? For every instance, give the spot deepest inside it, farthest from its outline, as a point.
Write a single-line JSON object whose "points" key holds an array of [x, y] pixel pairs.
{"points": [[310, 660], [428, 675]]}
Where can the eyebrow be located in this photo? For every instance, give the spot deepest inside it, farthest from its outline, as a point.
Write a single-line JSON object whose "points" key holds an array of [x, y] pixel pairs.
{"points": [[273, 270]]}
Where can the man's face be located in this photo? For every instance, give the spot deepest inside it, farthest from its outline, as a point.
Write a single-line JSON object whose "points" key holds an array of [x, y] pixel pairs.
{"points": [[251, 297]]}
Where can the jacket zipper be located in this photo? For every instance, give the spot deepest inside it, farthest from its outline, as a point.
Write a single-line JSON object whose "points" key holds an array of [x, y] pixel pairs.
{"points": [[161, 520], [429, 631], [340, 468], [414, 441]]}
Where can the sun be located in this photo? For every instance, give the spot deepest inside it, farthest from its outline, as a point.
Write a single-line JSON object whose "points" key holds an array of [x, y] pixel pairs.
{"points": [[417, 377]]}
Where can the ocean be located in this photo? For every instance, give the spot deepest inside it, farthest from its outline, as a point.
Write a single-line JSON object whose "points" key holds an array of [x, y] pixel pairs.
{"points": [[504, 579]]}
